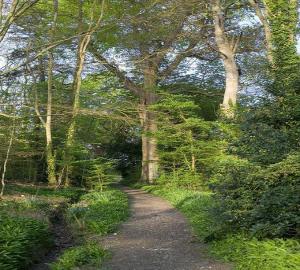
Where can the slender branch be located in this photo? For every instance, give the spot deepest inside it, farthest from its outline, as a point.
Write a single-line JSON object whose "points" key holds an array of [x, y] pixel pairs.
{"points": [[128, 84], [6, 158]]}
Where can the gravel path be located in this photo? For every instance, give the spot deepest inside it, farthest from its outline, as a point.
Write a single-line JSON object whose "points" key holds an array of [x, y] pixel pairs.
{"points": [[156, 237]]}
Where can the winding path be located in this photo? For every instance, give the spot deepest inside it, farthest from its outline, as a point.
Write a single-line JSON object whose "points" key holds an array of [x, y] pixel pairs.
{"points": [[156, 237]]}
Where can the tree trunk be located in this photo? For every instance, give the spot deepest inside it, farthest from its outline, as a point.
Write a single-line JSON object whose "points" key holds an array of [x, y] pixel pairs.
{"points": [[7, 157], [50, 157], [150, 157], [227, 48], [47, 123], [232, 82], [83, 42]]}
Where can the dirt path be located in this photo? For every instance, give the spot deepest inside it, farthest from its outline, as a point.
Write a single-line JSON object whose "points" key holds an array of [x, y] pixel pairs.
{"points": [[156, 237]]}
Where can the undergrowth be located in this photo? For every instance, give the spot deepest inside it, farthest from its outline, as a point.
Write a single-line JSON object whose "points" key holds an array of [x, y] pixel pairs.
{"points": [[22, 240], [96, 214], [88, 254], [25, 212], [99, 212]]}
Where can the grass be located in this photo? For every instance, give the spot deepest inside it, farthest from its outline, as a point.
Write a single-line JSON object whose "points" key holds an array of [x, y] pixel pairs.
{"points": [[72, 194], [100, 212], [96, 214], [245, 252], [87, 255], [252, 254]]}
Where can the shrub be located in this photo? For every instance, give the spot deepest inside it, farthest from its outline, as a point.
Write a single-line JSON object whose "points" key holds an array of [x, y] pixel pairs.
{"points": [[89, 254], [21, 241], [182, 179], [262, 201], [277, 210]]}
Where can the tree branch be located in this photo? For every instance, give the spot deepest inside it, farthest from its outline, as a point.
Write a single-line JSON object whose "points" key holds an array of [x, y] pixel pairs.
{"points": [[129, 84]]}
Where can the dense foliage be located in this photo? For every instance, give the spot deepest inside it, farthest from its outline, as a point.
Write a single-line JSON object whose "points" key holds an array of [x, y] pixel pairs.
{"points": [[21, 241]]}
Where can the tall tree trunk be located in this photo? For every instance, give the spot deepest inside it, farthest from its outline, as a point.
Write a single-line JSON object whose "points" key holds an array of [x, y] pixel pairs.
{"points": [[47, 123], [148, 97], [232, 81], [51, 160], [262, 14], [227, 48], [83, 42]]}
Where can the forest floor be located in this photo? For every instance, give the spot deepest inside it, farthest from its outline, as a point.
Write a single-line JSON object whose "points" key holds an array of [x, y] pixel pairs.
{"points": [[156, 237]]}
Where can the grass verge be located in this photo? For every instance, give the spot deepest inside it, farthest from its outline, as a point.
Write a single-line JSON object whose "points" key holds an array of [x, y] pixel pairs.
{"points": [[96, 214], [99, 212], [245, 252]]}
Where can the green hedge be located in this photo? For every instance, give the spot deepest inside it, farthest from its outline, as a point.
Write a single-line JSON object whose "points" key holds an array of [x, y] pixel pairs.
{"points": [[21, 241], [262, 201]]}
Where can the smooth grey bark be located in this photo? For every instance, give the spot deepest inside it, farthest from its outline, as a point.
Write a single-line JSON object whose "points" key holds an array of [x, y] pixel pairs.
{"points": [[227, 48]]}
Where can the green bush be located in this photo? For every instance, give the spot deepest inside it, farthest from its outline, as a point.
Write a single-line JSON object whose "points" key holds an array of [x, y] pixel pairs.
{"points": [[252, 254], [100, 212], [182, 179], [276, 212], [21, 241], [261, 201], [90, 254]]}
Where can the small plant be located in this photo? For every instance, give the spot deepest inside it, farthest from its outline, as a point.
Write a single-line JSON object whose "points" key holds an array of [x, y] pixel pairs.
{"points": [[100, 175], [89, 254]]}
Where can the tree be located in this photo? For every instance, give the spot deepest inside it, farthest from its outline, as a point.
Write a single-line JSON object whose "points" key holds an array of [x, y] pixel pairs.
{"points": [[10, 12], [96, 15], [148, 34], [47, 124], [262, 13], [227, 46]]}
